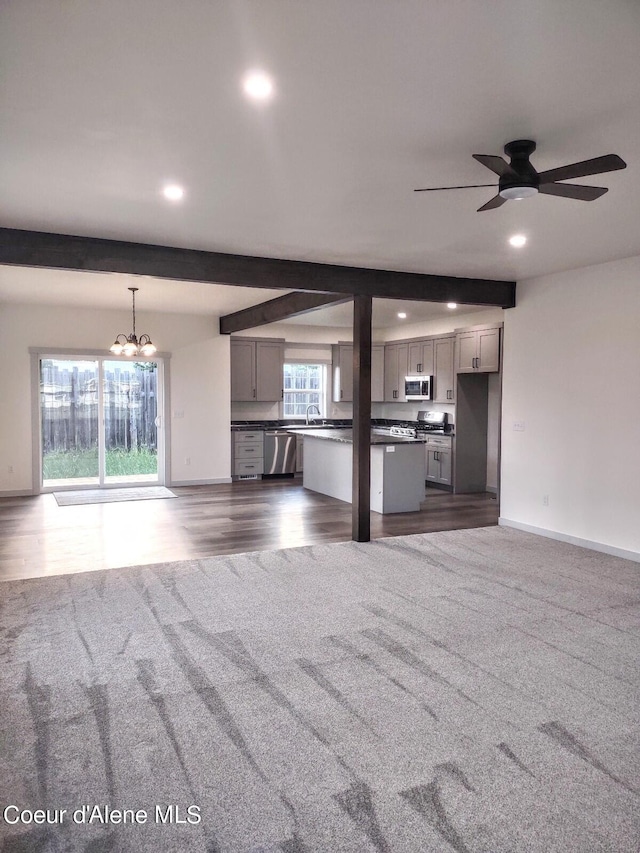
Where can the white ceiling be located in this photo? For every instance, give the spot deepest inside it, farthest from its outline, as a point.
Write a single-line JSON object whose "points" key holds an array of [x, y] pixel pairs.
{"points": [[103, 101]]}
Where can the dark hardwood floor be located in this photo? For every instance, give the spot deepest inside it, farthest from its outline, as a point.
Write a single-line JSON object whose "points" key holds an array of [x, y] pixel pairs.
{"points": [[37, 537]]}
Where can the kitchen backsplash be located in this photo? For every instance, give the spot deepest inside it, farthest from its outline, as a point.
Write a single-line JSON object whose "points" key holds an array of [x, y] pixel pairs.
{"points": [[391, 411]]}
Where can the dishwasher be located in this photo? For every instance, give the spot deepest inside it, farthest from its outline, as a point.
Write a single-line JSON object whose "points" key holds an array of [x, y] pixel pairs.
{"points": [[279, 453]]}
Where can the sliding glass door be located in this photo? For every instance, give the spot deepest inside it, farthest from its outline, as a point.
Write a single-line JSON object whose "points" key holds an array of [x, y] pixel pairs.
{"points": [[99, 422]]}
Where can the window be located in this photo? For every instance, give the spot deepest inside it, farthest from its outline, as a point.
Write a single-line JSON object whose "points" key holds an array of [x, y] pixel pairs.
{"points": [[304, 385]]}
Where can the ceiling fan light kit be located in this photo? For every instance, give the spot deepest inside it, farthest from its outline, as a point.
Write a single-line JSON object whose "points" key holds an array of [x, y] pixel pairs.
{"points": [[518, 179]]}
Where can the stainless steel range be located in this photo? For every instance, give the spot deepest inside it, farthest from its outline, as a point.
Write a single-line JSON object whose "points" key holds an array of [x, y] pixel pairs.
{"points": [[404, 431], [432, 422]]}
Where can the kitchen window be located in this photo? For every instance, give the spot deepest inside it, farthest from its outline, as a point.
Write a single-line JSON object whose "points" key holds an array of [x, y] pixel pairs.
{"points": [[305, 384]]}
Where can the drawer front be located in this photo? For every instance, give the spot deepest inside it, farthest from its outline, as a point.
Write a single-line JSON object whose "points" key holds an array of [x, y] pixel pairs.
{"points": [[249, 467], [248, 437], [441, 441], [249, 451]]}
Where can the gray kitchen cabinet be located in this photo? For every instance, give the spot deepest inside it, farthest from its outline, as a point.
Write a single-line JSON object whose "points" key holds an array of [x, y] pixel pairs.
{"points": [[438, 460], [420, 358], [243, 370], [478, 350], [342, 368], [377, 374], [342, 373], [247, 453], [443, 353], [269, 370], [256, 370], [396, 363]]}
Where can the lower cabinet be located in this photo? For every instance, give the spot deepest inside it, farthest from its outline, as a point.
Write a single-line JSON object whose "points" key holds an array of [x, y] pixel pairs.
{"points": [[247, 453], [438, 458]]}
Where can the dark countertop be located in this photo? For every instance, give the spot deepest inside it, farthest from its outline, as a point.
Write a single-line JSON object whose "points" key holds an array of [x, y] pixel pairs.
{"points": [[345, 436], [237, 426], [333, 423]]}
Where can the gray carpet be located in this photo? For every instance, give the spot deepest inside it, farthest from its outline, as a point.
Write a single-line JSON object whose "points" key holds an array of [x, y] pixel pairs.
{"points": [[471, 691], [107, 496]]}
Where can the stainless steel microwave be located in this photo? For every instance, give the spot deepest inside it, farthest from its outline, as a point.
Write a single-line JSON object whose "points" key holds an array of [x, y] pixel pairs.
{"points": [[418, 387]]}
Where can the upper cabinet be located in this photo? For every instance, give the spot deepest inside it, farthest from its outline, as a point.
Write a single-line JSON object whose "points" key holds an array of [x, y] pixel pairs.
{"points": [[396, 363], [478, 350], [342, 369], [443, 350], [256, 370], [420, 356]]}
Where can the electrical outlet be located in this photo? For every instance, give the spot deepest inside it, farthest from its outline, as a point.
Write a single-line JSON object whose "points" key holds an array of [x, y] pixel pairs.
{"points": [[178, 414], [518, 426], [545, 500], [187, 461], [9, 469]]}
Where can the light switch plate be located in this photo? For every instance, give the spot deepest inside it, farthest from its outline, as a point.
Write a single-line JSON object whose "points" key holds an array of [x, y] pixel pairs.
{"points": [[391, 448], [518, 426]]}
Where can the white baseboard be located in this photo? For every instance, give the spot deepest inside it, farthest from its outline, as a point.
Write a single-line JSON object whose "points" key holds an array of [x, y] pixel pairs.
{"points": [[573, 540], [220, 481], [17, 493]]}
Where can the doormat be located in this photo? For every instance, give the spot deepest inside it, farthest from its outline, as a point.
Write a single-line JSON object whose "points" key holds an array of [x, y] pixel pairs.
{"points": [[107, 496]]}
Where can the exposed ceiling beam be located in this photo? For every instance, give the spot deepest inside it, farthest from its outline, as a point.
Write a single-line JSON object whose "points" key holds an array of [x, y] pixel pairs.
{"points": [[62, 251], [280, 308]]}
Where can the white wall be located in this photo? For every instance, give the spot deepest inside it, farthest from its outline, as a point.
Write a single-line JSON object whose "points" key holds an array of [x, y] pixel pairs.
{"points": [[572, 376], [199, 369], [442, 325]]}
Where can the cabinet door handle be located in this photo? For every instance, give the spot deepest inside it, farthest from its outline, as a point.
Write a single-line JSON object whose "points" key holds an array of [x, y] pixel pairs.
{"points": [[249, 466], [254, 392], [282, 394], [341, 393], [419, 368]]}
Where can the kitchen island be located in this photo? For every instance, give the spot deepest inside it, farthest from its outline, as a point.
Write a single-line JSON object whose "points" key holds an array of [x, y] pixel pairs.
{"points": [[397, 468]]}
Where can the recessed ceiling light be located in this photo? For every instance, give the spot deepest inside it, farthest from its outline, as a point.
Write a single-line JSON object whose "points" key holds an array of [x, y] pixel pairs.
{"points": [[173, 192], [518, 240], [258, 85], [402, 315], [452, 304]]}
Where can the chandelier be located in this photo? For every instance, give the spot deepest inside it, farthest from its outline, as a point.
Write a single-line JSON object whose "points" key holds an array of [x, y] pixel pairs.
{"points": [[130, 344]]}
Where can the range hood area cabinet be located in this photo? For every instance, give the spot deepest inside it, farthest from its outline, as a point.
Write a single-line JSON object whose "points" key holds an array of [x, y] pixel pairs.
{"points": [[426, 357], [478, 350], [342, 373], [257, 366], [420, 358]]}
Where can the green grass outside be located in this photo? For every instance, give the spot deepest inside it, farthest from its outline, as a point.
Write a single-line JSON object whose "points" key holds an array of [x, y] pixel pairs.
{"points": [[69, 465]]}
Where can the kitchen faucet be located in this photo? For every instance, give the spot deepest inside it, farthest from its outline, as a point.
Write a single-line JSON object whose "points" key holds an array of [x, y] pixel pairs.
{"points": [[312, 406]]}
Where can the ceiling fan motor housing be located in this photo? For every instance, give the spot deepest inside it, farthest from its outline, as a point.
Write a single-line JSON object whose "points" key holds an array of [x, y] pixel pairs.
{"points": [[522, 179]]}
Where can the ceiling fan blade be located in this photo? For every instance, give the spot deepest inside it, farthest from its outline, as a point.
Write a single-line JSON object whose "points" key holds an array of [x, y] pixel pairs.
{"points": [[496, 201], [463, 187], [608, 163], [573, 191], [495, 163]]}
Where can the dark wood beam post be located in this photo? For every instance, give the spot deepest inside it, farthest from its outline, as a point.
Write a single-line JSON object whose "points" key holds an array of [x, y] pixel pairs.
{"points": [[361, 497], [93, 254], [280, 308]]}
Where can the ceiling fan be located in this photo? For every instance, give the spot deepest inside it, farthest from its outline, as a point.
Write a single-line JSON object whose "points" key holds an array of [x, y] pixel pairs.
{"points": [[518, 179]]}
